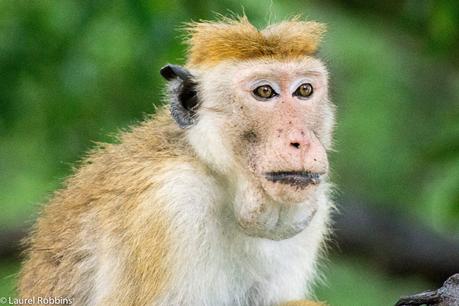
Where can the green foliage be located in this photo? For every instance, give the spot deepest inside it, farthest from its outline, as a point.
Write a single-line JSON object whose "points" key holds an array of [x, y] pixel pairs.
{"points": [[8, 278], [351, 283]]}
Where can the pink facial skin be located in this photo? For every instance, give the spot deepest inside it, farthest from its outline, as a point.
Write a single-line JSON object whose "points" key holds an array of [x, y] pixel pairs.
{"points": [[283, 133], [293, 147]]}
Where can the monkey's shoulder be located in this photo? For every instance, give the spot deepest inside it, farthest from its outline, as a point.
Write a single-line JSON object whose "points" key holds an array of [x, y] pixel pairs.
{"points": [[123, 172]]}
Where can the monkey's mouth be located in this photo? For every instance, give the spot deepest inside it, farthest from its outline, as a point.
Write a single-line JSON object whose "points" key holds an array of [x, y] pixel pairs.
{"points": [[300, 179]]}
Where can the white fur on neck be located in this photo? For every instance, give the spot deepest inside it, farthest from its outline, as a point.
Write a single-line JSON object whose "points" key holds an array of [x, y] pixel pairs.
{"points": [[215, 263]]}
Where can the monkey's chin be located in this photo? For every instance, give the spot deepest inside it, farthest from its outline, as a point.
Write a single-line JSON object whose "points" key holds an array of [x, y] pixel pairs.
{"points": [[261, 215], [278, 223]]}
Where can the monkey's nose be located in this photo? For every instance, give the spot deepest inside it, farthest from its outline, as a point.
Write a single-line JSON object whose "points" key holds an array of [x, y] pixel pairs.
{"points": [[298, 140]]}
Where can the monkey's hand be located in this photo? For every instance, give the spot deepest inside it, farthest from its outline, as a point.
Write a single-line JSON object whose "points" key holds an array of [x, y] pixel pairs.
{"points": [[304, 303]]}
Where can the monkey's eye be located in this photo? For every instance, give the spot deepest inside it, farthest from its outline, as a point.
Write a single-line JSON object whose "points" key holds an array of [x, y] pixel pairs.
{"points": [[304, 91], [264, 92]]}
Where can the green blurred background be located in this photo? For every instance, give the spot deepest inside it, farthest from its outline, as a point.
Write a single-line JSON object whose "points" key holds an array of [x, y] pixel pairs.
{"points": [[76, 72]]}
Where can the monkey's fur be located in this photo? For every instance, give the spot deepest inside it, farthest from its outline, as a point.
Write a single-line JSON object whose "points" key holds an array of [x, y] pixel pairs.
{"points": [[221, 206]]}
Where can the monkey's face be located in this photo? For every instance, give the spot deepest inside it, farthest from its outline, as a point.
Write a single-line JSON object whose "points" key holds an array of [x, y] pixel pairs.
{"points": [[282, 114], [266, 126]]}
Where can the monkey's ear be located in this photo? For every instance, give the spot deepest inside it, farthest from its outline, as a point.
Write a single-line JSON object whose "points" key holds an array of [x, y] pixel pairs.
{"points": [[182, 94]]}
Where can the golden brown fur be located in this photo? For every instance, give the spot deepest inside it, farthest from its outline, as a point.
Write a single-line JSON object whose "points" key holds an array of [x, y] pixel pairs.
{"points": [[98, 203], [212, 42]]}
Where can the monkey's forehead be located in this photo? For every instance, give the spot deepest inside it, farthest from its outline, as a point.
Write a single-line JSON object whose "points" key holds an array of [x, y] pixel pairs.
{"points": [[275, 69], [237, 39]]}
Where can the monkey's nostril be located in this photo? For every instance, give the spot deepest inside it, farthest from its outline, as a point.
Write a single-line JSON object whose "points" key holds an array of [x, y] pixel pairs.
{"points": [[295, 144]]}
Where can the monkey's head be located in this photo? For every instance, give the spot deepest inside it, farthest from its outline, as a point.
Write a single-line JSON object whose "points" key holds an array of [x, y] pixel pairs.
{"points": [[256, 110]]}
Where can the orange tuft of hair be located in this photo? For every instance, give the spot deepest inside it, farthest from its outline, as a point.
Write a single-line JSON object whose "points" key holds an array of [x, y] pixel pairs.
{"points": [[237, 39]]}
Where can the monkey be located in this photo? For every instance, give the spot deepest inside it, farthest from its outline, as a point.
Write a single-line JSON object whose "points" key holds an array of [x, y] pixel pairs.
{"points": [[222, 197]]}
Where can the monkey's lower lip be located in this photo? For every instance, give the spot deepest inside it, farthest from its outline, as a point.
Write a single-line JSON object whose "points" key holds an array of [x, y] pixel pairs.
{"points": [[294, 178]]}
